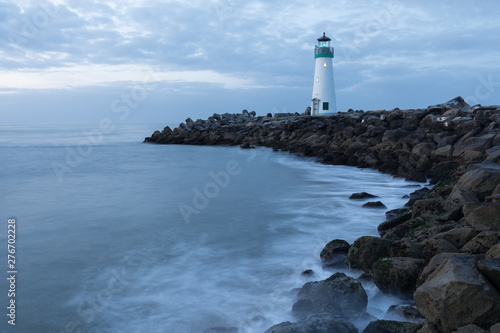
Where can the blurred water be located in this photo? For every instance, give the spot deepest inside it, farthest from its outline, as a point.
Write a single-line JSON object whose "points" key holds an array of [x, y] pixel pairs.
{"points": [[122, 240]]}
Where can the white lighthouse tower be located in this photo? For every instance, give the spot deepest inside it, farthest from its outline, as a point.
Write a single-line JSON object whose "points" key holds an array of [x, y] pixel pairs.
{"points": [[323, 98]]}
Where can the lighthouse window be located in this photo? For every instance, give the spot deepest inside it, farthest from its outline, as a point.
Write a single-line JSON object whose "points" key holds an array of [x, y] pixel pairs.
{"points": [[325, 106], [317, 78], [324, 65]]}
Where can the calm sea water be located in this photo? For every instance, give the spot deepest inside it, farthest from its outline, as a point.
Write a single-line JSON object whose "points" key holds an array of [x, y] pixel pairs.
{"points": [[114, 235]]}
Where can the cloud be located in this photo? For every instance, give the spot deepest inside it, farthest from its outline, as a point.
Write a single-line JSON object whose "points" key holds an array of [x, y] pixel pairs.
{"points": [[238, 45], [95, 75]]}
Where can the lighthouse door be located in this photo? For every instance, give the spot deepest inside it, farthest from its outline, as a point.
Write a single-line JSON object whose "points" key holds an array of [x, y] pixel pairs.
{"points": [[315, 108]]}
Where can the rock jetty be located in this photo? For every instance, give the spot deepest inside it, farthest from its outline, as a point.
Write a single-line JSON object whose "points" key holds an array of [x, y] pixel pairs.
{"points": [[442, 248]]}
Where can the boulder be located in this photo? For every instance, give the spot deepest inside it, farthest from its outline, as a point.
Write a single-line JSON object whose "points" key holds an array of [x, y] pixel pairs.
{"points": [[374, 204], [461, 195], [470, 329], [339, 295], [493, 252], [428, 328], [362, 195], [366, 250], [455, 294], [482, 179], [334, 253], [481, 243], [398, 274], [436, 211], [404, 313], [403, 229], [322, 322], [458, 237], [391, 326], [405, 247], [401, 217], [483, 216], [490, 268], [434, 245], [495, 328]]}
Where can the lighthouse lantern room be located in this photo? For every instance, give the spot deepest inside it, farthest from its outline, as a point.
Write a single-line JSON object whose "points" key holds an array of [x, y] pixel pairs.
{"points": [[323, 97]]}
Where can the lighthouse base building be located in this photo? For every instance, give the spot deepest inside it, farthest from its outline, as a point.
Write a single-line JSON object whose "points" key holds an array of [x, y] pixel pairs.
{"points": [[323, 101]]}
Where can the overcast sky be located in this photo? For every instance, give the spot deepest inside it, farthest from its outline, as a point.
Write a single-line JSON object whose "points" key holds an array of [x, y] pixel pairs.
{"points": [[69, 61]]}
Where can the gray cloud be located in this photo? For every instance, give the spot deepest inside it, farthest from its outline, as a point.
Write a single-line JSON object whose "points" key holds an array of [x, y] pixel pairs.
{"points": [[384, 49]]}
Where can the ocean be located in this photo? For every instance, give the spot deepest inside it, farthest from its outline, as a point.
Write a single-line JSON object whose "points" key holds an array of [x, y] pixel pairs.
{"points": [[115, 235]]}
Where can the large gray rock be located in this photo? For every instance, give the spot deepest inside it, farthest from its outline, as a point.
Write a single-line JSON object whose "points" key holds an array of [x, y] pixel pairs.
{"points": [[481, 179], [366, 250], [397, 275], [491, 269], [316, 323], [405, 247], [484, 216], [493, 252], [481, 243], [402, 229], [436, 211], [339, 294], [391, 326], [434, 245], [456, 294], [470, 329], [461, 195], [334, 253], [458, 237]]}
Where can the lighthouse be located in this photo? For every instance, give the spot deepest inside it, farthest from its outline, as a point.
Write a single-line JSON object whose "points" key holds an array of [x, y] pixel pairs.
{"points": [[323, 98]]}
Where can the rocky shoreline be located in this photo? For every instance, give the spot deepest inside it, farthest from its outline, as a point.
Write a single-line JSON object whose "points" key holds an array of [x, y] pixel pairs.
{"points": [[443, 248]]}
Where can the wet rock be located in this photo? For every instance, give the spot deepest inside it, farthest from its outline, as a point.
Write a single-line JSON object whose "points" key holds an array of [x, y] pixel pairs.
{"points": [[391, 214], [470, 329], [397, 274], [339, 295], [490, 268], [495, 328], [436, 211], [433, 246], [405, 247], [461, 195], [455, 294], [481, 243], [482, 179], [307, 272], [391, 326], [366, 250], [483, 216], [493, 252], [334, 253], [403, 216], [374, 204], [362, 195], [428, 328], [323, 322], [417, 195], [403, 229], [459, 236], [404, 313]]}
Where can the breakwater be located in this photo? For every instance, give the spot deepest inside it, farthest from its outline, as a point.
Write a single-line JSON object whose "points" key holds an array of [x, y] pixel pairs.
{"points": [[443, 248]]}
